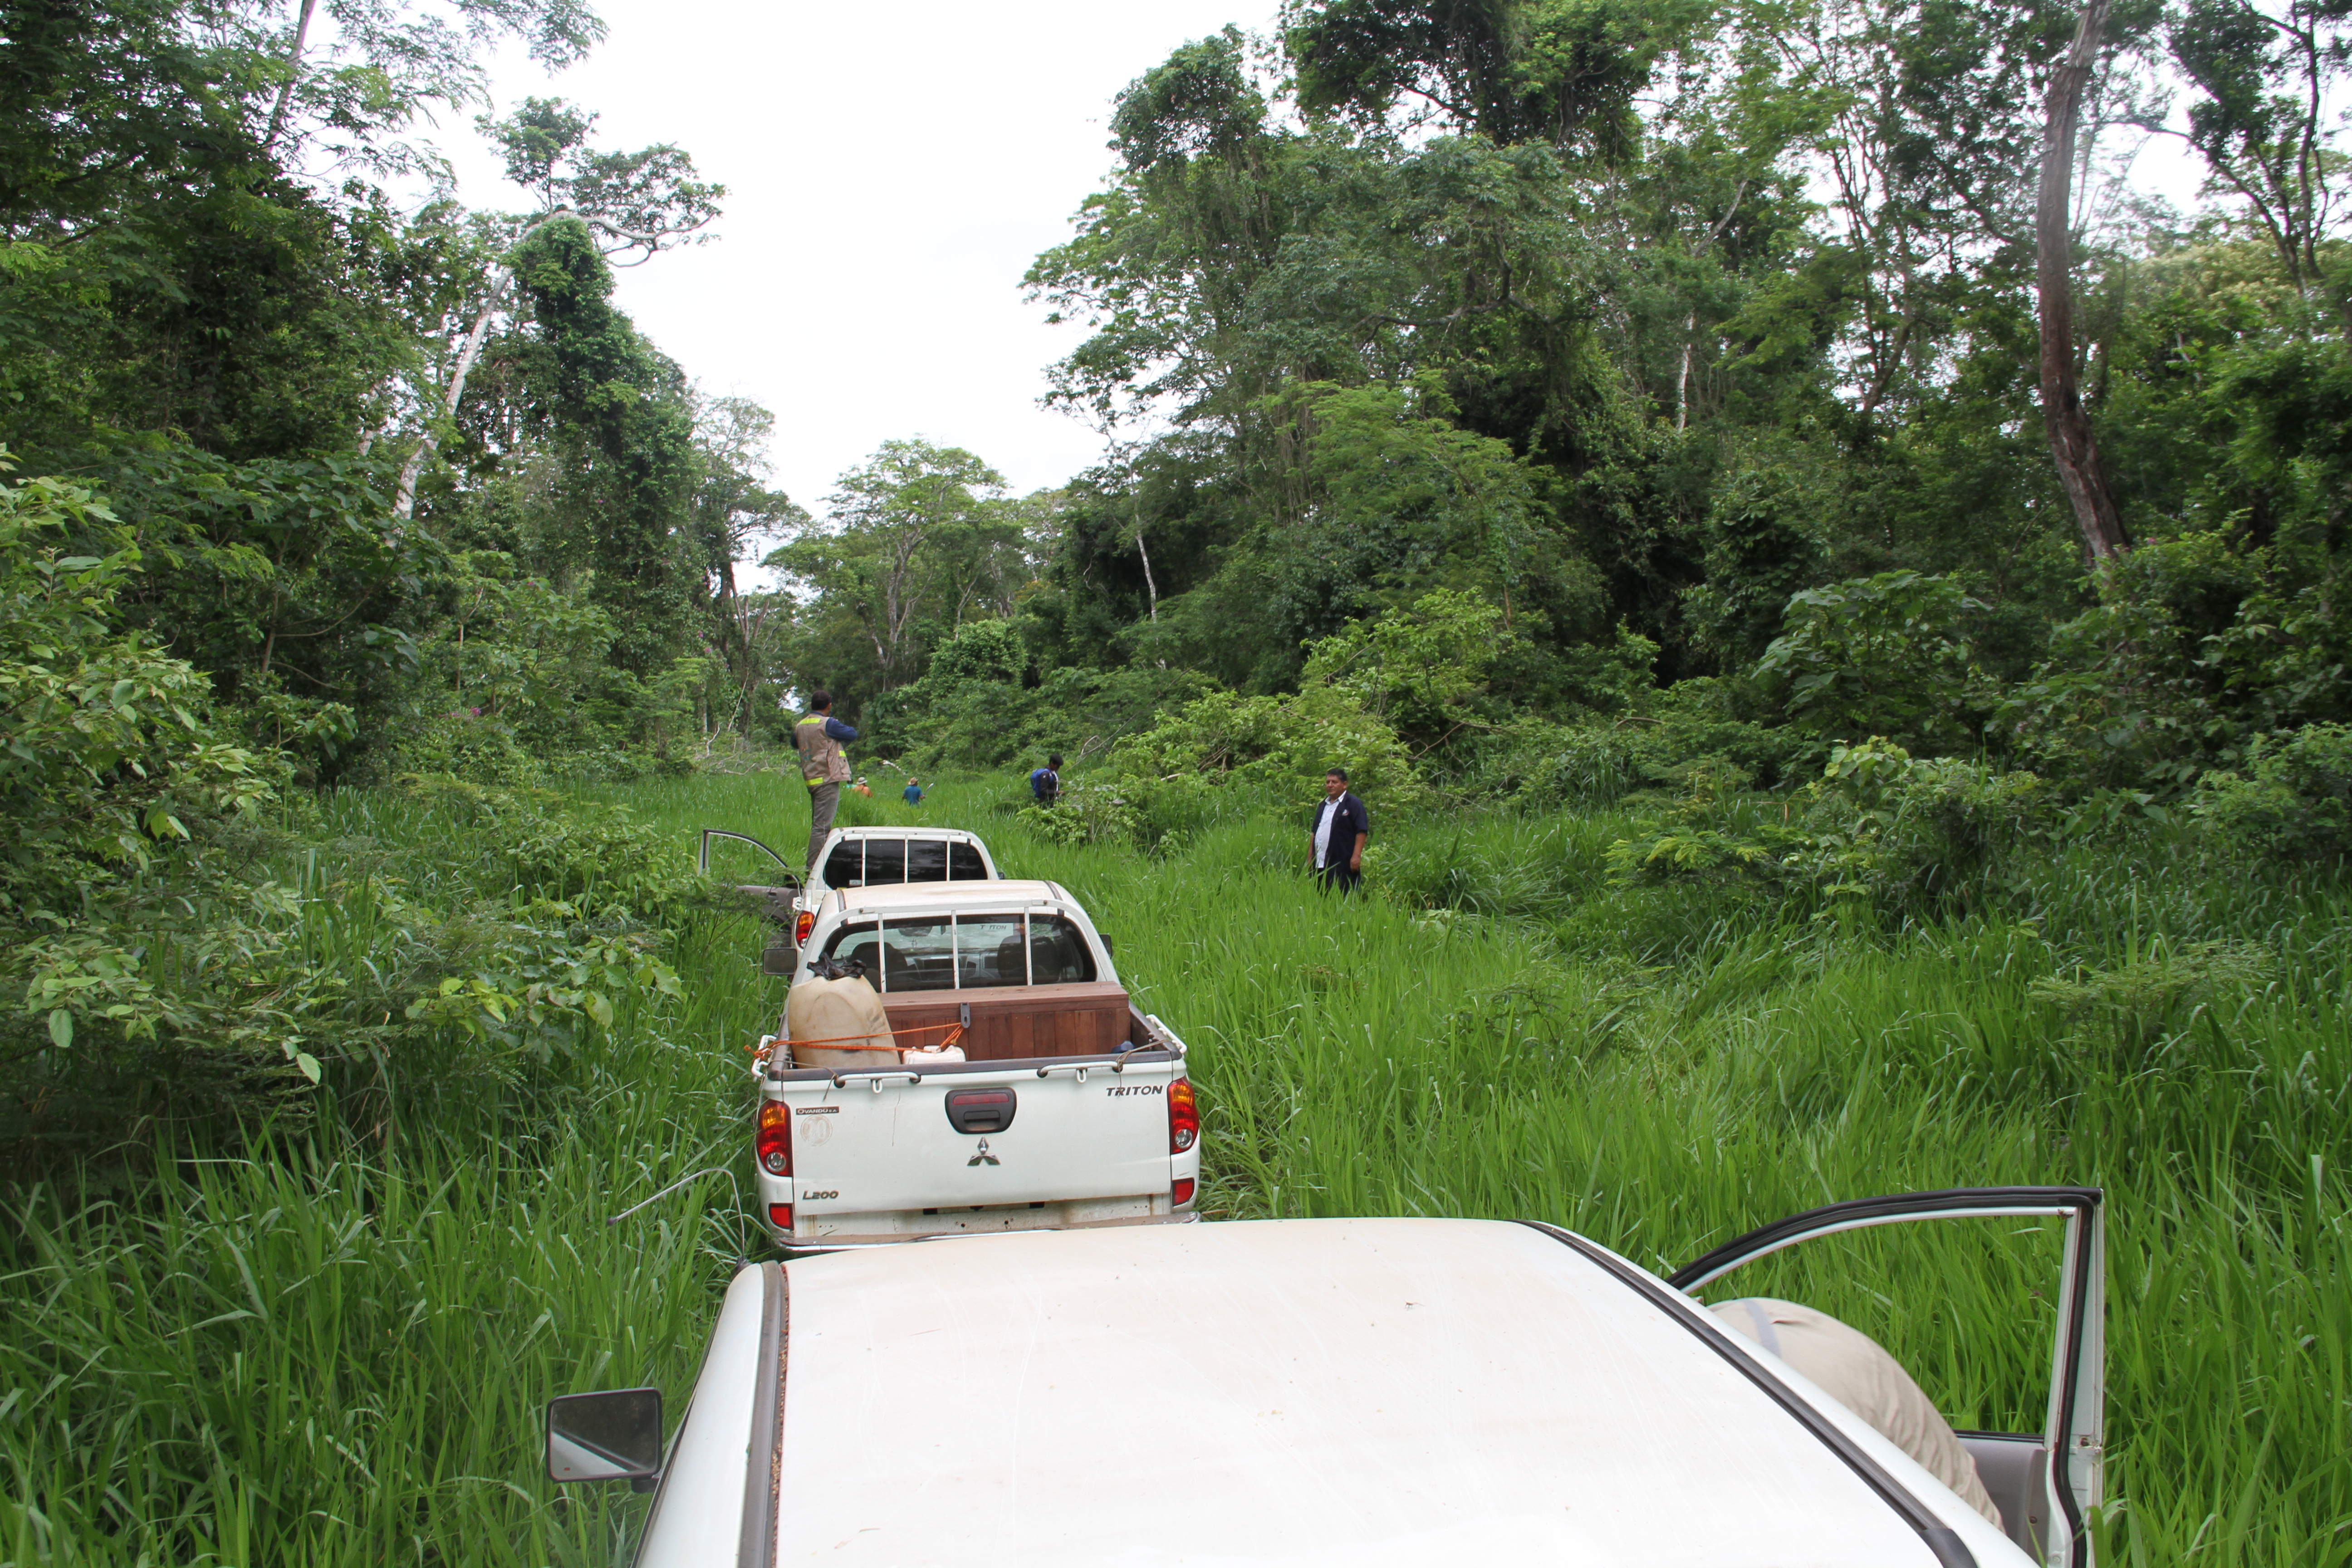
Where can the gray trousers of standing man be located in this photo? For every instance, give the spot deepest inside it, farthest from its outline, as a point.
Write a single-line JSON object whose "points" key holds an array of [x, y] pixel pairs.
{"points": [[823, 799]]}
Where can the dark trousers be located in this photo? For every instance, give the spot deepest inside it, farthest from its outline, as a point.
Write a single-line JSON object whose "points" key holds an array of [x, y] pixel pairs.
{"points": [[822, 800], [1338, 875]]}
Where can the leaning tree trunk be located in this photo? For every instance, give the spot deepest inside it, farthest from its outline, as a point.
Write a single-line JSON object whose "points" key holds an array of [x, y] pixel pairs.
{"points": [[293, 74], [404, 502], [2068, 424], [1151, 585], [502, 277]]}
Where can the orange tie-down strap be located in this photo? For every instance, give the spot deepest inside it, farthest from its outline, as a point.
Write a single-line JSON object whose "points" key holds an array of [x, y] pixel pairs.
{"points": [[952, 1033]]}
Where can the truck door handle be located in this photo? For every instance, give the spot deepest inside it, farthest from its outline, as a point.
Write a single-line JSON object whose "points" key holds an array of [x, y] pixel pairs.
{"points": [[844, 1079]]}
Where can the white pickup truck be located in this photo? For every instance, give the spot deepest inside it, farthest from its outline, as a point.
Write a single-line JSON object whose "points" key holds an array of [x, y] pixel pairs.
{"points": [[1070, 1107]]}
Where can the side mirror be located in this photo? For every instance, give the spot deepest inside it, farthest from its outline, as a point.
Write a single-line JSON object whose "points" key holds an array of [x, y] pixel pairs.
{"points": [[1109, 947], [608, 1437]]}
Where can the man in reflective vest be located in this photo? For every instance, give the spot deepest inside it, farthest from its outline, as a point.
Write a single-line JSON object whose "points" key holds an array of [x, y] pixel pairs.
{"points": [[825, 768]]}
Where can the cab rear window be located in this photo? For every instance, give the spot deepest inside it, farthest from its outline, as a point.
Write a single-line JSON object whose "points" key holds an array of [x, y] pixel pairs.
{"points": [[878, 862], [966, 952]]}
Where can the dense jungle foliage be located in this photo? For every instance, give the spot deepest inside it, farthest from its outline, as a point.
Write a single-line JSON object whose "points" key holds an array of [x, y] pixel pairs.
{"points": [[1616, 432], [1532, 401]]}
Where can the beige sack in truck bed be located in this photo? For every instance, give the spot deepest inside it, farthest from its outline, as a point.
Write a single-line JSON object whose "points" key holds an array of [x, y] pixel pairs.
{"points": [[1854, 1369], [846, 1010], [849, 1013]]}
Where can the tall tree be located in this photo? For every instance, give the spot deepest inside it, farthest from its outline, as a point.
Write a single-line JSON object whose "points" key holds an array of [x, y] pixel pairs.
{"points": [[2264, 81], [636, 203], [1561, 71], [2072, 445], [625, 419], [731, 510], [906, 537]]}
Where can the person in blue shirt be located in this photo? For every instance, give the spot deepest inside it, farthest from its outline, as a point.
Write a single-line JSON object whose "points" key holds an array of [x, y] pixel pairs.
{"points": [[914, 790], [1046, 784]]}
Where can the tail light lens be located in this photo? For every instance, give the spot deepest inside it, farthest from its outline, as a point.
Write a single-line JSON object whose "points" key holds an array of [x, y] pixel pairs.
{"points": [[1183, 1116], [1184, 1186], [803, 923], [780, 1216], [774, 1144]]}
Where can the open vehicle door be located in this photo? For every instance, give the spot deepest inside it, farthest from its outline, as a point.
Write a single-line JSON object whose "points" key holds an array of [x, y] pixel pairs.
{"points": [[2024, 1471], [775, 898]]}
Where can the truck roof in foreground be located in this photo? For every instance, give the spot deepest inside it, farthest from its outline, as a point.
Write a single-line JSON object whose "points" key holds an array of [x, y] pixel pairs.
{"points": [[1345, 1390]]}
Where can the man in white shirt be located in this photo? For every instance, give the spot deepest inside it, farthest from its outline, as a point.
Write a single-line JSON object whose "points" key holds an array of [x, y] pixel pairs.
{"points": [[1341, 827]]}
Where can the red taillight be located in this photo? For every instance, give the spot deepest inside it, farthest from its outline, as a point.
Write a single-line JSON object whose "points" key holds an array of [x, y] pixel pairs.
{"points": [[802, 925], [1183, 1192], [780, 1216], [1183, 1116], [774, 1144]]}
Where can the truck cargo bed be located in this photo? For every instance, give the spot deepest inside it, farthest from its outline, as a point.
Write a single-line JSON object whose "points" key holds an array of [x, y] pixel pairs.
{"points": [[1028, 1021]]}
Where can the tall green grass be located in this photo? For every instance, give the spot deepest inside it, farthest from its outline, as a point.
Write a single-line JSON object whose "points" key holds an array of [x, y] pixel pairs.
{"points": [[1493, 1030], [1660, 1070], [330, 1346]]}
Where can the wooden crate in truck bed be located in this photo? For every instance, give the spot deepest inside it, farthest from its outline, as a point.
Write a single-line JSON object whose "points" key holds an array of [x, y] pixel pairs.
{"points": [[1016, 1022]]}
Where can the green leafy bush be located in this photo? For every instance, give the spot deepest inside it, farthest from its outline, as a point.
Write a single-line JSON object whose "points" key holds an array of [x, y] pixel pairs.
{"points": [[596, 856], [169, 941], [1875, 656], [465, 745], [2119, 703], [1880, 827], [1214, 741], [1414, 668], [2130, 1008], [2294, 799], [1709, 836], [111, 777], [2197, 647], [107, 754], [1907, 831], [971, 709], [1093, 813], [1694, 724]]}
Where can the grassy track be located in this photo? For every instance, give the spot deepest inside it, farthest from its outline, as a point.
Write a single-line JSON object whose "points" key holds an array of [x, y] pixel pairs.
{"points": [[1657, 1069]]}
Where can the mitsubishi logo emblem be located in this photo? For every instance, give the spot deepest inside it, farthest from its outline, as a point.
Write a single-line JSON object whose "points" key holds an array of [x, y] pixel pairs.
{"points": [[983, 1157]]}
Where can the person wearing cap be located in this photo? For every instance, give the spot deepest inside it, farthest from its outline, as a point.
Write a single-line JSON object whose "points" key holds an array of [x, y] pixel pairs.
{"points": [[824, 766]]}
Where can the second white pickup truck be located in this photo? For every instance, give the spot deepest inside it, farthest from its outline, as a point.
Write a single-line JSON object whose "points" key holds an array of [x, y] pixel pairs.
{"points": [[1070, 1107]]}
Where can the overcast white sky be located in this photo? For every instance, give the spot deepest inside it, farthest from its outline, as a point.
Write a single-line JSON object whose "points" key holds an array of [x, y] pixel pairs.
{"points": [[891, 172]]}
